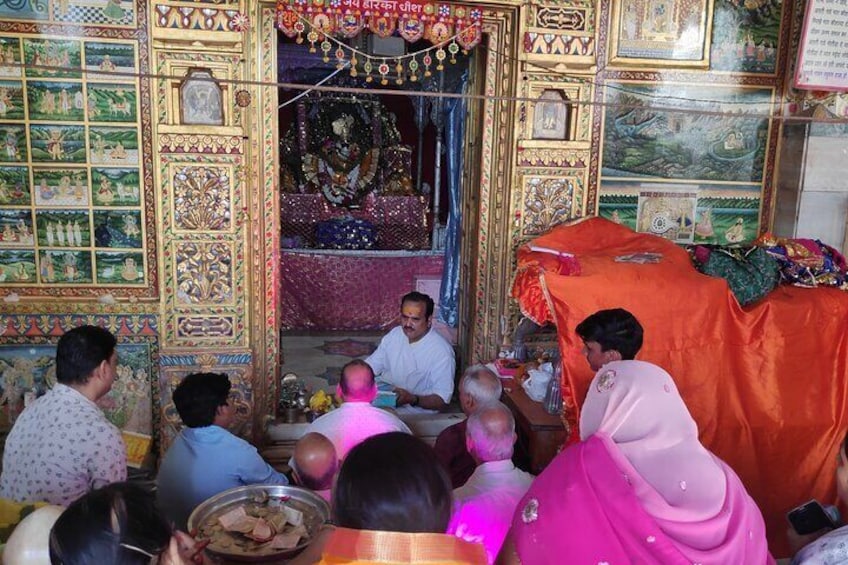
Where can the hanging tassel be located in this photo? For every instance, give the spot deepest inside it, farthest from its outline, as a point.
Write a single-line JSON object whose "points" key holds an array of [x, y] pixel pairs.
{"points": [[368, 67], [340, 58], [353, 63], [413, 70], [453, 48], [428, 60], [312, 38], [325, 47], [440, 57], [383, 69], [399, 71]]}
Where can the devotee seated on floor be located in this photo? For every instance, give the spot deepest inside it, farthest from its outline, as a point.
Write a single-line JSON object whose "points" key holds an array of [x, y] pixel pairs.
{"points": [[826, 545], [638, 488], [119, 523], [478, 386], [610, 335], [205, 458], [315, 464], [62, 445], [356, 419], [392, 504], [483, 506], [413, 358]]}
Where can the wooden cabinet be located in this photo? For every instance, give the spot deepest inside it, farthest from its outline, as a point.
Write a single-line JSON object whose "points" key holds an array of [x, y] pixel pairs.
{"points": [[540, 433]]}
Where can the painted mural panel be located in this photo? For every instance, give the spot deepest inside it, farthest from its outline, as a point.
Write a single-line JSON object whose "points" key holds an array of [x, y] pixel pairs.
{"points": [[680, 131], [70, 162], [746, 35], [109, 58], [17, 266], [60, 186], [117, 228], [14, 186], [25, 10], [113, 146], [10, 57], [724, 214], [28, 371], [52, 57], [11, 100], [115, 187]]}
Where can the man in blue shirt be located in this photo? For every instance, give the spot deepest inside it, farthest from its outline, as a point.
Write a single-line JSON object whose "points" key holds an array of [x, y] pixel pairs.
{"points": [[206, 459]]}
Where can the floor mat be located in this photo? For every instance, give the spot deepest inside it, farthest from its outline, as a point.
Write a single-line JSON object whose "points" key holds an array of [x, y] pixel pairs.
{"points": [[318, 359]]}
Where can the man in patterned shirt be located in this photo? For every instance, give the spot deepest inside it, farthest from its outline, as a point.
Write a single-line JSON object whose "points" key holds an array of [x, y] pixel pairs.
{"points": [[62, 445]]}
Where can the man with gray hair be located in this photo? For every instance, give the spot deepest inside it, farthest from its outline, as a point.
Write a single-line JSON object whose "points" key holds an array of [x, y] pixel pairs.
{"points": [[484, 506], [477, 387]]}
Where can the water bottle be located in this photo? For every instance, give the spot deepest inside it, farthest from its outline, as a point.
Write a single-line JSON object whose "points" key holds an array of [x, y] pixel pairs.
{"points": [[553, 396]]}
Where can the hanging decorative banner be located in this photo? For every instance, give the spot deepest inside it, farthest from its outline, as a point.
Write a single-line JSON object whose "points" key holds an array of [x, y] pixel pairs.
{"points": [[414, 19], [350, 25], [411, 28]]}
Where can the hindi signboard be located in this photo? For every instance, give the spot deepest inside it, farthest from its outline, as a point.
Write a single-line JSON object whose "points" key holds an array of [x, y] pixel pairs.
{"points": [[823, 52]]}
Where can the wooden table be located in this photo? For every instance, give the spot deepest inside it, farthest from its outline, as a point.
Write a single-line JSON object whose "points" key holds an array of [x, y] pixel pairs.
{"points": [[543, 434]]}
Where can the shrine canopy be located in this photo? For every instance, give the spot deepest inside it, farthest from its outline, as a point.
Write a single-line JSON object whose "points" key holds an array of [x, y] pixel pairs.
{"points": [[413, 20]]}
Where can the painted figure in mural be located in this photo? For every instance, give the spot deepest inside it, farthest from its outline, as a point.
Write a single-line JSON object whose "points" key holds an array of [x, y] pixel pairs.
{"points": [[118, 153], [99, 147], [131, 226], [47, 103], [736, 232], [56, 145], [106, 64], [11, 146], [64, 101], [129, 272], [704, 225]]}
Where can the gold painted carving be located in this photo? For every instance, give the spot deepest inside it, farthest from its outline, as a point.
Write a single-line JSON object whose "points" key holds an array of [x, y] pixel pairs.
{"points": [[202, 198], [562, 18], [204, 273], [549, 157], [547, 202], [178, 143]]}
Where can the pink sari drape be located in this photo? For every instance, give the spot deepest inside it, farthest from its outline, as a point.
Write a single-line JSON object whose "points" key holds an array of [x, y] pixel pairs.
{"points": [[583, 509]]}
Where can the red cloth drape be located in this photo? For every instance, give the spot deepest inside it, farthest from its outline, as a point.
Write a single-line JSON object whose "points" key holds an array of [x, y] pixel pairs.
{"points": [[766, 383]]}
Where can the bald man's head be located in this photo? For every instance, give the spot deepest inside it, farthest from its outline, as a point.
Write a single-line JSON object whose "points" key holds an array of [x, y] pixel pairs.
{"points": [[315, 461], [357, 382], [490, 435]]}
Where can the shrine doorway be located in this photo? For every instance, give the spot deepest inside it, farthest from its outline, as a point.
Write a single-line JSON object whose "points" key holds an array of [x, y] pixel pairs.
{"points": [[481, 290], [365, 194]]}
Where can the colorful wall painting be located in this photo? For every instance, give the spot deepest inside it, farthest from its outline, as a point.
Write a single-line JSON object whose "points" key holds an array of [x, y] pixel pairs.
{"points": [[746, 36], [724, 214], [30, 370], [682, 131]]}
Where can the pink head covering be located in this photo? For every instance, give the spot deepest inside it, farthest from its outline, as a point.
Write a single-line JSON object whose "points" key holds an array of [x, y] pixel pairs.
{"points": [[640, 487], [637, 406]]}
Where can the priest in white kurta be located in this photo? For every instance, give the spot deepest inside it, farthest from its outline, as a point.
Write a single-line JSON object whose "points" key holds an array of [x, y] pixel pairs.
{"points": [[413, 358]]}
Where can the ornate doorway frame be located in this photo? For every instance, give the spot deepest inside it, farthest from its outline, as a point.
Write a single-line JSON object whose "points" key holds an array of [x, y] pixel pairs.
{"points": [[486, 250]]}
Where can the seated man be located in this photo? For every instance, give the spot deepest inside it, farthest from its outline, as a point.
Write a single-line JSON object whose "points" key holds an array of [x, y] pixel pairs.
{"points": [[206, 459], [62, 446], [415, 359], [356, 420], [485, 504], [610, 335], [477, 387], [315, 464]]}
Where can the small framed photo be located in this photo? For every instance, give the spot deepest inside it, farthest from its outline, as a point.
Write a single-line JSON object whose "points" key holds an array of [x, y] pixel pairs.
{"points": [[201, 99]]}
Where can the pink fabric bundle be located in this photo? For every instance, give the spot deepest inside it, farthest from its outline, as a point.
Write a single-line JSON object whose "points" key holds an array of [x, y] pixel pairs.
{"points": [[640, 488]]}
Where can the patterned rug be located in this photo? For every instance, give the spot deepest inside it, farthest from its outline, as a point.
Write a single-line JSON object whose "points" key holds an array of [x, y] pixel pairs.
{"points": [[348, 347]]}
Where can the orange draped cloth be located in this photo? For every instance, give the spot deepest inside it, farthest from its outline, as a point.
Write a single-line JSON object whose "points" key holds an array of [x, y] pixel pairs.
{"points": [[364, 546], [765, 383]]}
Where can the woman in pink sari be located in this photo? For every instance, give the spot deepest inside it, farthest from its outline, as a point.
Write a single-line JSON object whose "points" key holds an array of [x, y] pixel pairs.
{"points": [[638, 488]]}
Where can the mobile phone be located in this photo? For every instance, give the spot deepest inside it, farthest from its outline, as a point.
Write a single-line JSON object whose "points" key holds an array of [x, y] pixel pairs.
{"points": [[810, 517]]}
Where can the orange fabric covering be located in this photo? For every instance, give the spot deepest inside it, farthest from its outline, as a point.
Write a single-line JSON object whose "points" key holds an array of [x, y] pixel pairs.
{"points": [[766, 383]]}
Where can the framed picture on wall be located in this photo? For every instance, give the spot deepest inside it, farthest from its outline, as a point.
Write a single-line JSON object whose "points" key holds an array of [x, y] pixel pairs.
{"points": [[662, 33], [201, 99]]}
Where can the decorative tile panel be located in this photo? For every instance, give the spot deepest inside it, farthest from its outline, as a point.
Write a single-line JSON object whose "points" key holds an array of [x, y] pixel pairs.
{"points": [[205, 327]]}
